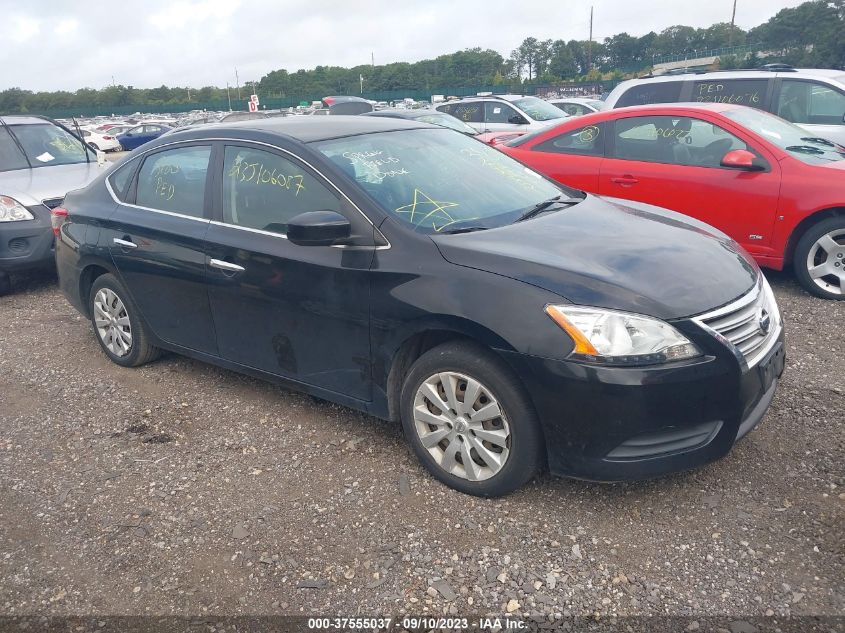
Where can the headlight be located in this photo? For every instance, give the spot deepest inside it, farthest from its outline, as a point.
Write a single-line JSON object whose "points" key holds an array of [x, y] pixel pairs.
{"points": [[12, 211], [619, 338]]}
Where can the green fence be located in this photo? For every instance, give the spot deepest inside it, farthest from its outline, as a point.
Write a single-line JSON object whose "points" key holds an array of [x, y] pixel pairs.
{"points": [[274, 102]]}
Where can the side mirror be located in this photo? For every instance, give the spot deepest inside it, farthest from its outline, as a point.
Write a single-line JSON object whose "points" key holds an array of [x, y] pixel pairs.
{"points": [[318, 228], [518, 119], [743, 160]]}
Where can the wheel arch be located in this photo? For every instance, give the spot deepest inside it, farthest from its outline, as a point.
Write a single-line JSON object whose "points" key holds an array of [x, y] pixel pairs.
{"points": [[414, 341], [89, 273], [804, 225]]}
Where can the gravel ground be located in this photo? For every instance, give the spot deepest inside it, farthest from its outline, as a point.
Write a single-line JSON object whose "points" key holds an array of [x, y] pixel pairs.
{"points": [[180, 488]]}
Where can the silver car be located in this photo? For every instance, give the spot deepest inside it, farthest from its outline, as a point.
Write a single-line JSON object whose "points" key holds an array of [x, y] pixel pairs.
{"points": [[40, 161], [812, 98]]}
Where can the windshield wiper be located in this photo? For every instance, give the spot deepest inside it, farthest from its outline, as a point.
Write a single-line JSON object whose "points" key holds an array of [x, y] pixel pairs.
{"points": [[463, 229], [804, 149], [538, 208], [819, 140]]}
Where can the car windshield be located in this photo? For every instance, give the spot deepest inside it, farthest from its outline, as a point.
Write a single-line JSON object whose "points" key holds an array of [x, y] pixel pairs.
{"points": [[42, 144], [538, 109], [440, 181], [800, 143], [447, 120]]}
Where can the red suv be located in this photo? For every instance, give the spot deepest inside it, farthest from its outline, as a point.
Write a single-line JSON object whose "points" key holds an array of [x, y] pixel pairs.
{"points": [[770, 185]]}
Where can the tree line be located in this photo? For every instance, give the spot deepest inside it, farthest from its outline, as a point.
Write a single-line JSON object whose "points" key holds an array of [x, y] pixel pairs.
{"points": [[808, 35]]}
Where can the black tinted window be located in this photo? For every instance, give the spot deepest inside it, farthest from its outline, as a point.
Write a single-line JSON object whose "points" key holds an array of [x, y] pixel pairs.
{"points": [[264, 191], [587, 140], [747, 92], [470, 112], [174, 180], [656, 92]]}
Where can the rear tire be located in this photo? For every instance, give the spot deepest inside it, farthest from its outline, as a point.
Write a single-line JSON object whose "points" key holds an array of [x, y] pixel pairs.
{"points": [[5, 284], [117, 323], [819, 259], [489, 446]]}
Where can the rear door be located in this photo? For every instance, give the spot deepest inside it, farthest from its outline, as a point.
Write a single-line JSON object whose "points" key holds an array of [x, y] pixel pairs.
{"points": [[674, 162], [470, 112], [157, 242], [301, 312]]}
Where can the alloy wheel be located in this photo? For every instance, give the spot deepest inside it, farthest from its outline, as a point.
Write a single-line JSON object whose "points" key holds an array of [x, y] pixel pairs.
{"points": [[112, 322], [826, 262], [459, 422]]}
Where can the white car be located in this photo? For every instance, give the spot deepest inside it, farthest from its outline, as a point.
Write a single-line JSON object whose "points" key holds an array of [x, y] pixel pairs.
{"points": [[577, 106], [102, 141], [504, 113]]}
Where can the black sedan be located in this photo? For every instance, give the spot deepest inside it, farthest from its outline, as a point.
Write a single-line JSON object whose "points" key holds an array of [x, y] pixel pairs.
{"points": [[418, 275]]}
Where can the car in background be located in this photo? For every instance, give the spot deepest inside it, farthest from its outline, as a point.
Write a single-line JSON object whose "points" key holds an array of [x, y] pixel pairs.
{"points": [[100, 141], [140, 134], [578, 106], [40, 161], [426, 115], [347, 105], [117, 130], [503, 113], [233, 117], [812, 98], [408, 271], [768, 184]]}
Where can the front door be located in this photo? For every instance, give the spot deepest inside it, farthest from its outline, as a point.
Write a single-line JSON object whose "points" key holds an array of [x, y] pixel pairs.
{"points": [[674, 162], [501, 117], [157, 243], [301, 312]]}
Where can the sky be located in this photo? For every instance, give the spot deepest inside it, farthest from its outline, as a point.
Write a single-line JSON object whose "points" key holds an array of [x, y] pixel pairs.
{"points": [[69, 44]]}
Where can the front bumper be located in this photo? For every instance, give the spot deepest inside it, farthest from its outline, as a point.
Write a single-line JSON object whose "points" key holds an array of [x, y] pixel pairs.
{"points": [[27, 243], [617, 424]]}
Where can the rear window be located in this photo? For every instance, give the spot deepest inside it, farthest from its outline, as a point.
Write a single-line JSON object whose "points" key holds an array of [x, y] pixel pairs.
{"points": [[654, 92]]}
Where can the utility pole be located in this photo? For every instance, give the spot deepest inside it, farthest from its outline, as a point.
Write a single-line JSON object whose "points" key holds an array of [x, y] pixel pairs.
{"points": [[590, 44], [731, 34], [229, 96], [238, 83]]}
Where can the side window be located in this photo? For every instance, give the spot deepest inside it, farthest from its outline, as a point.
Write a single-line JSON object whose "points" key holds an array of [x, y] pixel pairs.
{"points": [[655, 92], [573, 109], [586, 141], [119, 180], [469, 112], [498, 112], [673, 140], [264, 191], [747, 92], [810, 102], [174, 180]]}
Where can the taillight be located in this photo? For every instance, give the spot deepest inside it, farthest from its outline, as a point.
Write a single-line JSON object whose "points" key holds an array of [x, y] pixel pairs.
{"points": [[109, 138], [57, 218]]}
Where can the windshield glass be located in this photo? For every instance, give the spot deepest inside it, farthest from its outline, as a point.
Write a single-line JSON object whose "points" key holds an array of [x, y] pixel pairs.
{"points": [[538, 109], [800, 143], [44, 144], [447, 120], [437, 180]]}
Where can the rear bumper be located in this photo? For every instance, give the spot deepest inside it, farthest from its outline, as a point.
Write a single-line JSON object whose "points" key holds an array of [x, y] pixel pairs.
{"points": [[27, 244], [618, 424]]}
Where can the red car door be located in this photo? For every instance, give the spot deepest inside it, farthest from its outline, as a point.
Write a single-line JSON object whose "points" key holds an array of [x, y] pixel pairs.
{"points": [[673, 161], [572, 156]]}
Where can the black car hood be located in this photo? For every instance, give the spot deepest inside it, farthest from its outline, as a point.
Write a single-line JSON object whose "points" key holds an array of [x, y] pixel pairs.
{"points": [[615, 254]]}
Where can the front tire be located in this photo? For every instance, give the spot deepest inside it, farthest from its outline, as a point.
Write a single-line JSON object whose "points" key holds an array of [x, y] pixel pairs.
{"points": [[819, 259], [117, 324], [469, 420]]}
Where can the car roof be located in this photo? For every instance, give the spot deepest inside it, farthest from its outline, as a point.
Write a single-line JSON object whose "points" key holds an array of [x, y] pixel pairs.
{"points": [[23, 119], [404, 114], [794, 73], [307, 128], [681, 105]]}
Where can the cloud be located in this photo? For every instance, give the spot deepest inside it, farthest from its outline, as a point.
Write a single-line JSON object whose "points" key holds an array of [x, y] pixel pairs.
{"points": [[200, 42]]}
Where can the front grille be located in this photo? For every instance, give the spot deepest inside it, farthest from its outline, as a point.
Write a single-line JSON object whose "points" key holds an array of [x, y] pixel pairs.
{"points": [[52, 203], [750, 324]]}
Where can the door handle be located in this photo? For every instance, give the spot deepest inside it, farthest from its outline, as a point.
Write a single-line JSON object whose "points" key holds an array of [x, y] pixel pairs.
{"points": [[625, 181], [125, 243], [227, 266]]}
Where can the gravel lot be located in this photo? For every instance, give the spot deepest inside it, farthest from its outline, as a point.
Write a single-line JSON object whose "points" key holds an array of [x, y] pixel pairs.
{"points": [[180, 488]]}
